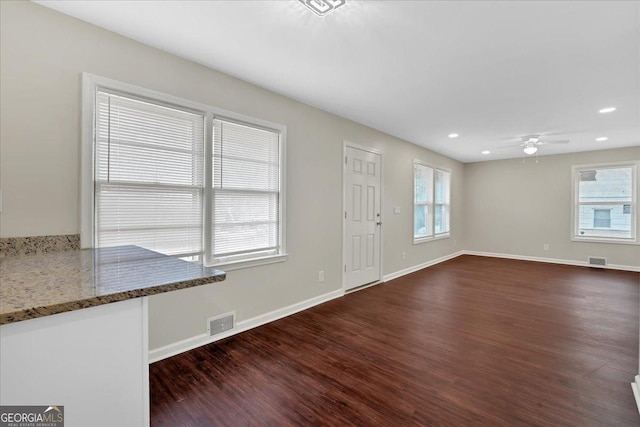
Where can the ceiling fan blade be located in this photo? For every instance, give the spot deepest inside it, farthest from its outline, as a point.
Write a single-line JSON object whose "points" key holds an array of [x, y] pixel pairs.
{"points": [[508, 146], [564, 141]]}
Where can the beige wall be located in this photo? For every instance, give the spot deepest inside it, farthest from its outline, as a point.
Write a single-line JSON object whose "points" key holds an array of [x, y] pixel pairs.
{"points": [[43, 54], [515, 208]]}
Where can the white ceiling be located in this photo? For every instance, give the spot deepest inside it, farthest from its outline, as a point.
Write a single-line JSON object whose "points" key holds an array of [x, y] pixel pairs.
{"points": [[419, 70]]}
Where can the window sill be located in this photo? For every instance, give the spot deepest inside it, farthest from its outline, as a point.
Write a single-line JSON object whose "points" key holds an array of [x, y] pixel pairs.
{"points": [[605, 240], [431, 238], [248, 263]]}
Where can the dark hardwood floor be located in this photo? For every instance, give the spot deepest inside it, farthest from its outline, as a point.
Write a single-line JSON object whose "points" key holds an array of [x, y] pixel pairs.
{"points": [[472, 341]]}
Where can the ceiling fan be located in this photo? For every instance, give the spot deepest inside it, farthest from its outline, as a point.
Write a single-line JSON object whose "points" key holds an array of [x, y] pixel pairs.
{"points": [[530, 143]]}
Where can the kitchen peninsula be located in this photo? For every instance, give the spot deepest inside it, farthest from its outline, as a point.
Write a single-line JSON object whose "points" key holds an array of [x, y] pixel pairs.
{"points": [[74, 329]]}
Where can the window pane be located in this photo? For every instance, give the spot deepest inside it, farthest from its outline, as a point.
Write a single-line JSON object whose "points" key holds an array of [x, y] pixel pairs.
{"points": [[149, 175], [244, 221], [245, 157], [441, 197], [441, 187], [604, 200], [163, 220], [605, 185], [245, 238], [441, 219], [423, 176], [603, 221], [246, 185], [138, 141], [421, 226]]}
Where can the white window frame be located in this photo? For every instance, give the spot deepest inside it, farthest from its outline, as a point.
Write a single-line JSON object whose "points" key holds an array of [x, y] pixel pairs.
{"points": [[575, 179], [431, 205], [91, 83]]}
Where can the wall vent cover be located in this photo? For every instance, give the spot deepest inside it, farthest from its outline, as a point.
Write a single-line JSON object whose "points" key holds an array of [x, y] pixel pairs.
{"points": [[219, 324], [597, 261]]}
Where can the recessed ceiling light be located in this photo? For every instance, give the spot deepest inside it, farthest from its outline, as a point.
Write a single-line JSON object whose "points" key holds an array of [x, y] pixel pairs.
{"points": [[607, 110], [485, 152], [602, 138], [453, 135]]}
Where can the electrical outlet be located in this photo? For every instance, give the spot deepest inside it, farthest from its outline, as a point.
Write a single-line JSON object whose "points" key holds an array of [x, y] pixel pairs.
{"points": [[321, 276], [454, 243], [404, 255], [546, 246]]}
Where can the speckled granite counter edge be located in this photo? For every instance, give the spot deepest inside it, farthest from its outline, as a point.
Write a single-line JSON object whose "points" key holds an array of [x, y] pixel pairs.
{"points": [[11, 246], [33, 313]]}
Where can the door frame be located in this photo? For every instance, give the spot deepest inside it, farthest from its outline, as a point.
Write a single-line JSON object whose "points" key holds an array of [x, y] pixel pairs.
{"points": [[348, 144]]}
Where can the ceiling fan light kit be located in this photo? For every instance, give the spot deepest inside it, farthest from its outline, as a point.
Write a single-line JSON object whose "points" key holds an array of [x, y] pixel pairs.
{"points": [[530, 143]]}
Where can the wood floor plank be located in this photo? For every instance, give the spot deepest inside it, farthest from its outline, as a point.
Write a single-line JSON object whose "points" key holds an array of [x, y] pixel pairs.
{"points": [[472, 341]]}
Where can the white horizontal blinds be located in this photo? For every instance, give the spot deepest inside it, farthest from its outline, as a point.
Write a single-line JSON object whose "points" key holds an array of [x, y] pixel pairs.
{"points": [[246, 191], [441, 201], [149, 175]]}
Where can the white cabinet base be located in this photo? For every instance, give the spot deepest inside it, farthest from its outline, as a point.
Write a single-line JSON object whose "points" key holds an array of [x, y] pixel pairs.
{"points": [[93, 361]]}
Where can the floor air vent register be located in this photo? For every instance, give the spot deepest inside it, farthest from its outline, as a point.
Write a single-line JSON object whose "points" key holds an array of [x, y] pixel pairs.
{"points": [[597, 261], [219, 324]]}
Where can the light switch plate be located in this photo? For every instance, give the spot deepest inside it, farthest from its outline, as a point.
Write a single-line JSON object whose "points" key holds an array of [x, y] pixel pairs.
{"points": [[396, 210]]}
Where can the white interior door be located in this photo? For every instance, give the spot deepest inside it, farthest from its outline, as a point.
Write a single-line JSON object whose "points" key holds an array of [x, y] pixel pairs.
{"points": [[363, 222]]}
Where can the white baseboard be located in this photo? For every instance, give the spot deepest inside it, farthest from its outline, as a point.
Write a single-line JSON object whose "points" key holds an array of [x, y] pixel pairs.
{"points": [[203, 339], [635, 386], [552, 260], [415, 268]]}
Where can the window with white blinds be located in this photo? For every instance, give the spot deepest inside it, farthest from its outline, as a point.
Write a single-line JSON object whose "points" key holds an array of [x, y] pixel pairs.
{"points": [[149, 168], [246, 191], [180, 178], [431, 202]]}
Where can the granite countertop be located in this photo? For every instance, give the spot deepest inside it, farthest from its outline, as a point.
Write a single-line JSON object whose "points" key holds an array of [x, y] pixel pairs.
{"points": [[41, 284]]}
